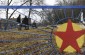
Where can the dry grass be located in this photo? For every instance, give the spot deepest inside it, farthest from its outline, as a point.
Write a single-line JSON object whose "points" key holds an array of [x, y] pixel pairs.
{"points": [[15, 45], [15, 36]]}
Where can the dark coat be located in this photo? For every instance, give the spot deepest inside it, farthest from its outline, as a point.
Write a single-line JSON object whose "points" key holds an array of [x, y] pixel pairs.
{"points": [[25, 20], [19, 19]]}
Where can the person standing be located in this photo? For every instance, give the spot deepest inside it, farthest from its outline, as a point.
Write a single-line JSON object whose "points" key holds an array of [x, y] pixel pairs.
{"points": [[19, 22]]}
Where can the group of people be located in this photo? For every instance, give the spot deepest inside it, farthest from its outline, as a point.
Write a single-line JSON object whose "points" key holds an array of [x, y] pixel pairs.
{"points": [[25, 23]]}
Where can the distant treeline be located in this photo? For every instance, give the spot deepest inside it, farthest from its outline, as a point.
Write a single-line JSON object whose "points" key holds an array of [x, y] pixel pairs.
{"points": [[54, 15]]}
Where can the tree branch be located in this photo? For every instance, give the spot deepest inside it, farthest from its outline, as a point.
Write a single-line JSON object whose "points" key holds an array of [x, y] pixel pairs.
{"points": [[10, 2], [16, 9]]}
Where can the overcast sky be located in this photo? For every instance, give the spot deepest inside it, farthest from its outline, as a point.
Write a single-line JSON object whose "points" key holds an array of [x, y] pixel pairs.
{"points": [[18, 2]]}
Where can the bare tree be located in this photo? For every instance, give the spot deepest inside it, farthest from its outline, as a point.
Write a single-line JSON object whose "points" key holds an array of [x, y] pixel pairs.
{"points": [[7, 10], [30, 9], [16, 9]]}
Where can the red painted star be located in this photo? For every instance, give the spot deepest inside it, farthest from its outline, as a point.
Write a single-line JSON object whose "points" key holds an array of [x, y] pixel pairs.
{"points": [[69, 37]]}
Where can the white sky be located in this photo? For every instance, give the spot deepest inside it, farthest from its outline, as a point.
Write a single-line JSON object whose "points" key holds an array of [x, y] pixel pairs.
{"points": [[50, 2], [17, 2]]}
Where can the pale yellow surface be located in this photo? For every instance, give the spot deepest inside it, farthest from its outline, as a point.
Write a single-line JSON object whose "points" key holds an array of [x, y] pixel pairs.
{"points": [[59, 41]]}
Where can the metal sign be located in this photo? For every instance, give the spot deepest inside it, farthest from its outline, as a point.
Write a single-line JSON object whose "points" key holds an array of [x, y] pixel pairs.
{"points": [[69, 37]]}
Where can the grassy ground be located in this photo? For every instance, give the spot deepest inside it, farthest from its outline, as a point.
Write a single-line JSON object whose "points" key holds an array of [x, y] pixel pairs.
{"points": [[15, 45]]}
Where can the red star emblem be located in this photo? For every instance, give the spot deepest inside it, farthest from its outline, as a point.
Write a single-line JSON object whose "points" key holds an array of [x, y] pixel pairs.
{"points": [[69, 37]]}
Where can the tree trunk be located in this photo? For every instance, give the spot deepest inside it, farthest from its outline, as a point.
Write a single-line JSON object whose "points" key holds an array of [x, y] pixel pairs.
{"points": [[30, 8], [29, 14], [6, 24]]}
